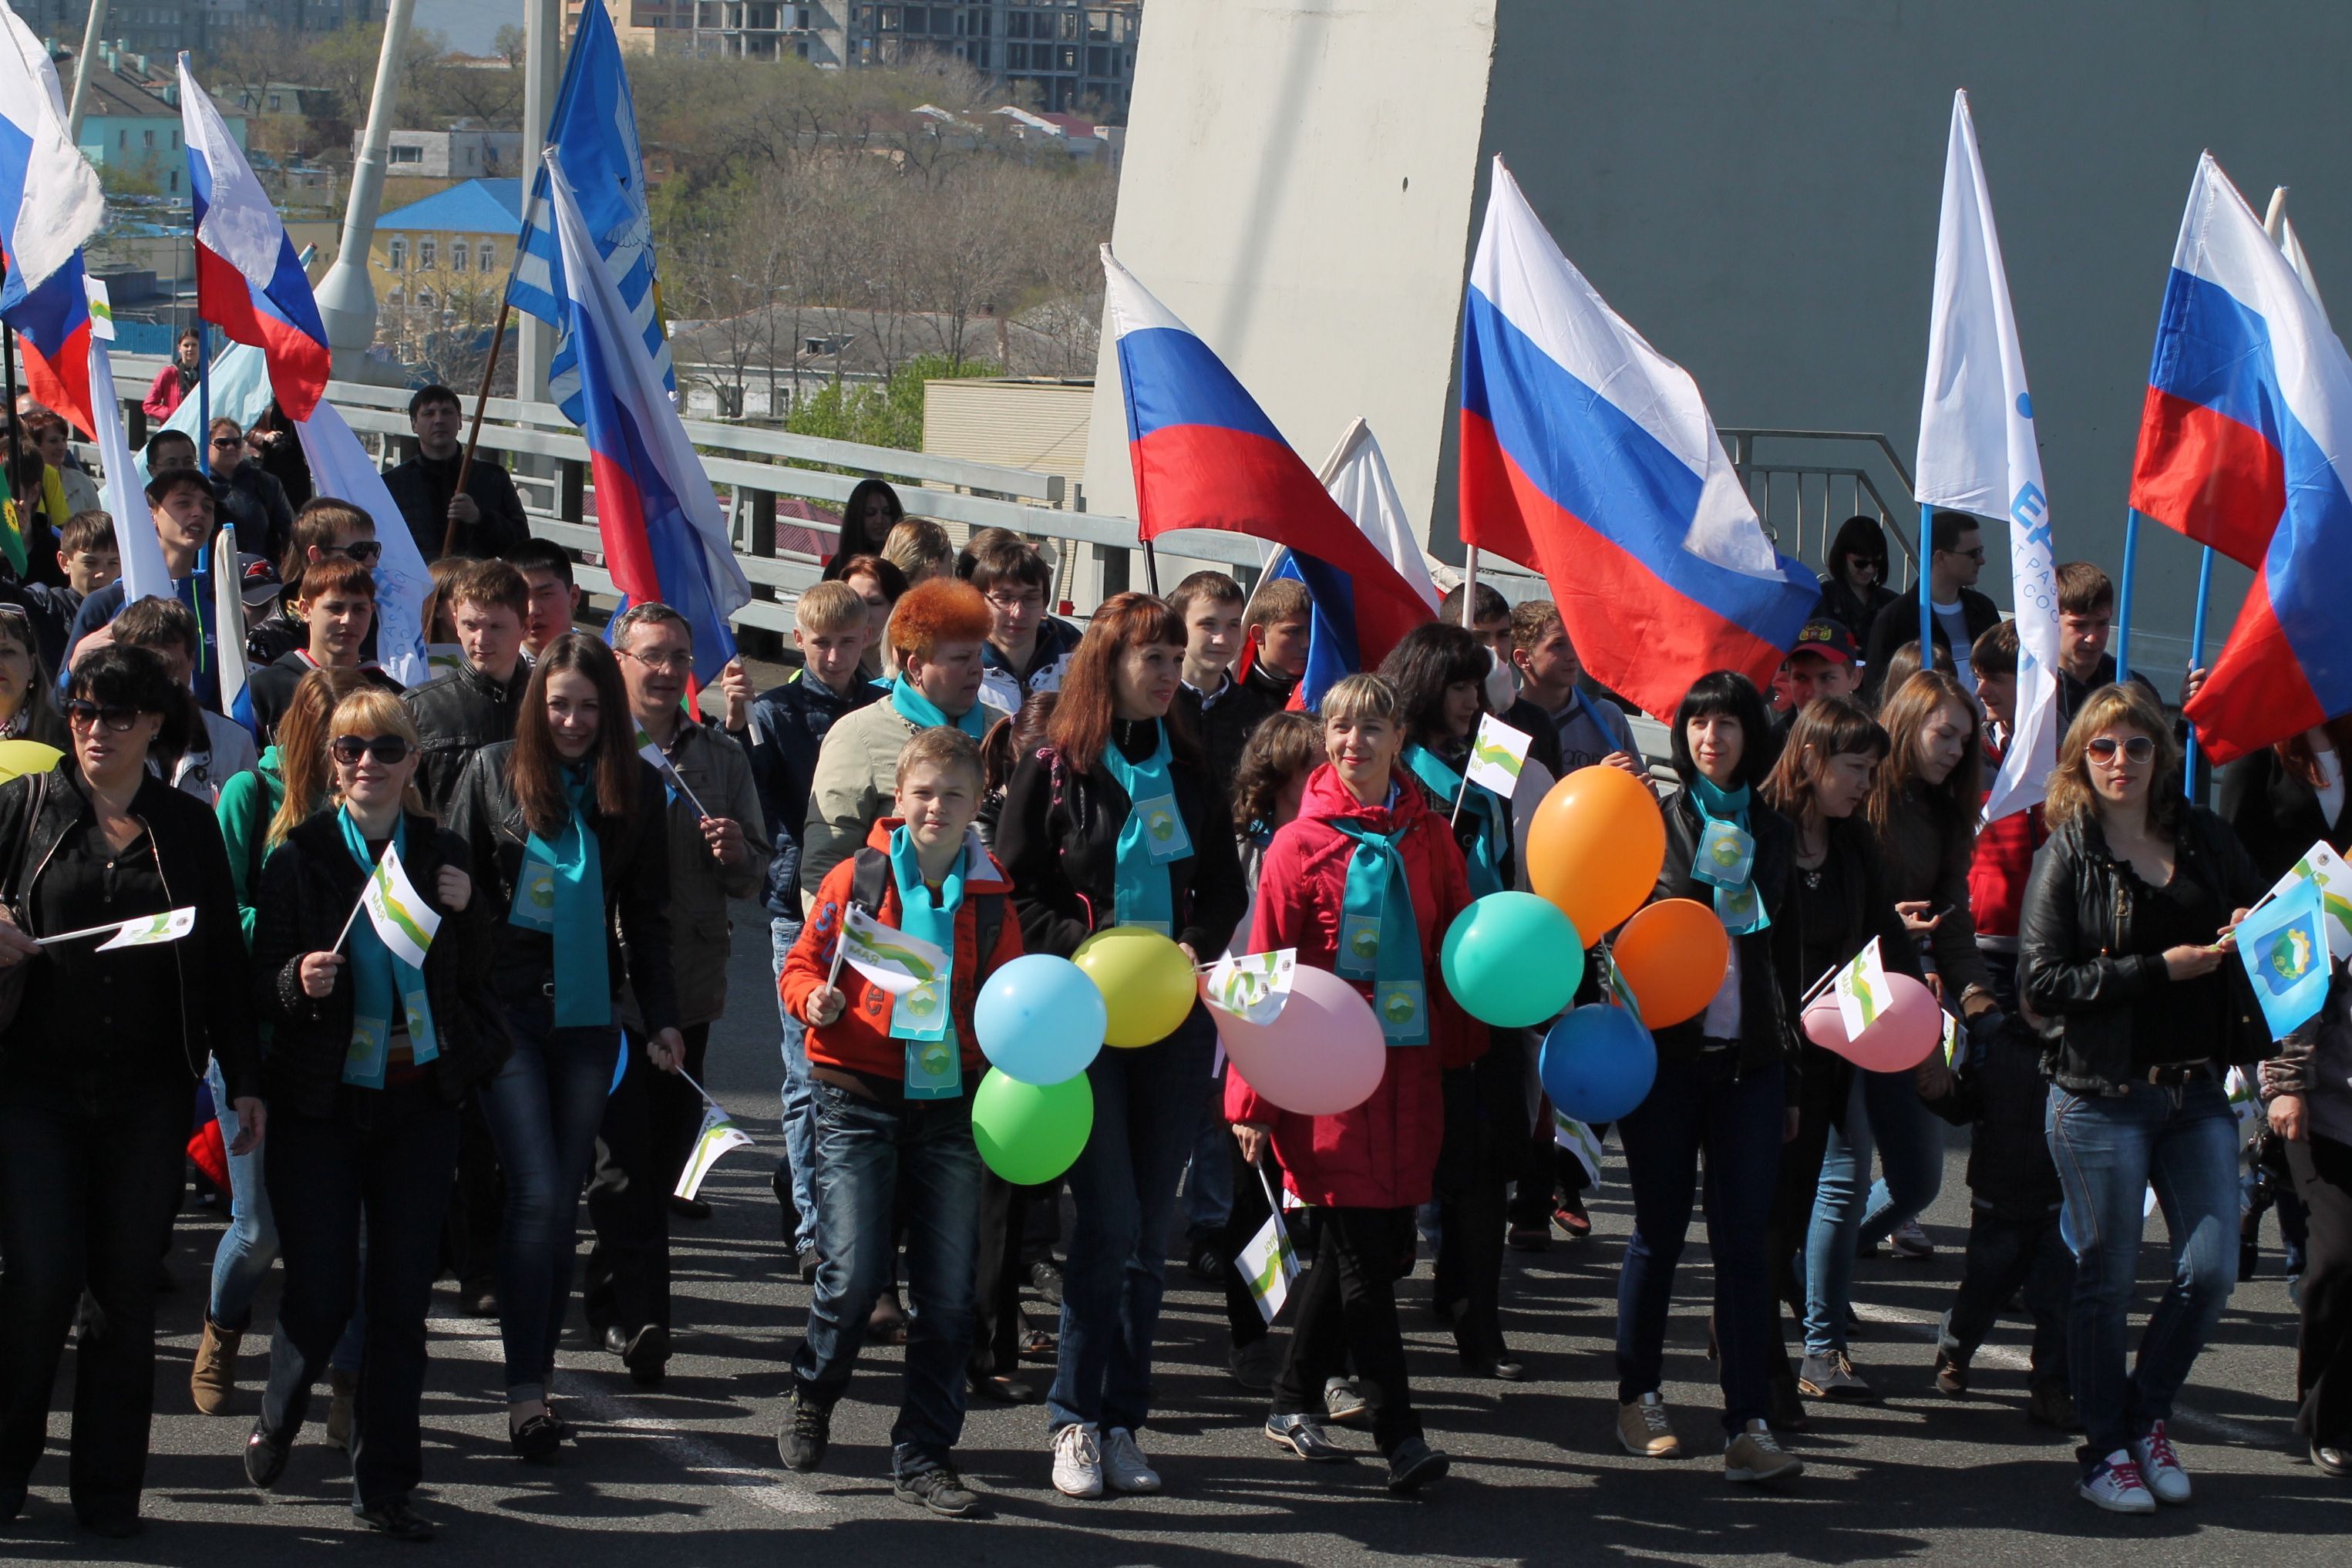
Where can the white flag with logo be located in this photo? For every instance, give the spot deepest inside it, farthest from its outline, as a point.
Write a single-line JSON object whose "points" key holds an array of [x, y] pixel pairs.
{"points": [[1269, 1264], [1497, 752], [1977, 453], [719, 1136], [403, 920], [1252, 986], [891, 958], [1863, 993]]}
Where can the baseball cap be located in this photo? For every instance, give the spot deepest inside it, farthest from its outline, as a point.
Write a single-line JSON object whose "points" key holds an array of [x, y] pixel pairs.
{"points": [[1828, 638], [259, 580]]}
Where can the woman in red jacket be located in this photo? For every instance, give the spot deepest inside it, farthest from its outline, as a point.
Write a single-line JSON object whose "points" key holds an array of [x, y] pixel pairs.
{"points": [[1365, 853], [174, 380]]}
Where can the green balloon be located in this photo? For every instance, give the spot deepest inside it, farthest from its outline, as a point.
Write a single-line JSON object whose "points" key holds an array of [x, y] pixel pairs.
{"points": [[1029, 1133], [1512, 960]]}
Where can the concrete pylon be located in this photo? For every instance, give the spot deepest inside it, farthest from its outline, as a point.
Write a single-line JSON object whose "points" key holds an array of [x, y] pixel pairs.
{"points": [[346, 296]]}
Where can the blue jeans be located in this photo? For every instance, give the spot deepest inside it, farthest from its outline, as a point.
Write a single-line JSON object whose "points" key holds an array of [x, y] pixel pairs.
{"points": [[544, 1108], [1209, 1175], [800, 1099], [1148, 1103], [1702, 1106], [875, 1163], [1883, 1112], [249, 1245], [2110, 1149]]}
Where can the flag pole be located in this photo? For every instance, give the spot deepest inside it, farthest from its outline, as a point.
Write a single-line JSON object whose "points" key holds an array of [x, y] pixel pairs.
{"points": [[1469, 597], [347, 919], [1926, 609], [2124, 596], [2196, 657], [204, 389], [474, 434], [1150, 567]]}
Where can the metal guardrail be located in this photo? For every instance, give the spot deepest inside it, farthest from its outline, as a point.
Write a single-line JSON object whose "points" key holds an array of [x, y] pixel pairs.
{"points": [[1788, 508]]}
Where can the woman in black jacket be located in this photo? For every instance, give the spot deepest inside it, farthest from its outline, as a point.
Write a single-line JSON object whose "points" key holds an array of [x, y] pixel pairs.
{"points": [[1854, 590], [100, 1064], [369, 1057], [2284, 798], [1066, 812], [564, 833], [2124, 947], [1727, 1090]]}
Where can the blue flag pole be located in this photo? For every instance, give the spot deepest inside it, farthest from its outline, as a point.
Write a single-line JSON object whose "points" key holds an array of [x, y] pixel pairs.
{"points": [[2197, 657], [203, 399], [1927, 611], [2124, 596]]}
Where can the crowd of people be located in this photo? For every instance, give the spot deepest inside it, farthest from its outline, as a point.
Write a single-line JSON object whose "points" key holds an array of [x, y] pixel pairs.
{"points": [[952, 760]]}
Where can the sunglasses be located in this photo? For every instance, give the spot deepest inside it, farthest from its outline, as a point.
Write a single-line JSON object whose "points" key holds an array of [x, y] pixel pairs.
{"points": [[1977, 555], [2138, 751], [353, 750], [83, 714], [366, 551], [222, 442]]}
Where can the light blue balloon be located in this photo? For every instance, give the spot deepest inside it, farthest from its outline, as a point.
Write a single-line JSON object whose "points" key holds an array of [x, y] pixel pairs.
{"points": [[1597, 1063], [1040, 1020]]}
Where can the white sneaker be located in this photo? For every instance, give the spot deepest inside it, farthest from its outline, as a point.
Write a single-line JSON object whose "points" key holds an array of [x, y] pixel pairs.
{"points": [[1123, 1464], [2116, 1486], [1077, 1461], [2160, 1467]]}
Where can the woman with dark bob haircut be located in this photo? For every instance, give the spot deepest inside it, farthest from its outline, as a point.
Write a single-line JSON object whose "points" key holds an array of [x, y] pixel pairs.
{"points": [[566, 833], [102, 1060], [1725, 1091], [1854, 590]]}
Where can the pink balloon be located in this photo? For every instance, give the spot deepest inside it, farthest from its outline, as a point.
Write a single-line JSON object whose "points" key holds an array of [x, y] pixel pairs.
{"points": [[1323, 1056], [1911, 1026]]}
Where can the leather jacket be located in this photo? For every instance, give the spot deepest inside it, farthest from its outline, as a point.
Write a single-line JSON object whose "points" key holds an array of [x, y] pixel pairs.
{"points": [[457, 714]]}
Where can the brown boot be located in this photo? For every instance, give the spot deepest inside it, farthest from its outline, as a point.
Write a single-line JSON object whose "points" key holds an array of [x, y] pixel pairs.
{"points": [[213, 1383], [341, 1387]]}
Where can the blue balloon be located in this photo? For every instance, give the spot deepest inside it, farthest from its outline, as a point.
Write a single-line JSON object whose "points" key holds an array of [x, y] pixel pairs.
{"points": [[1597, 1063], [1040, 1020]]}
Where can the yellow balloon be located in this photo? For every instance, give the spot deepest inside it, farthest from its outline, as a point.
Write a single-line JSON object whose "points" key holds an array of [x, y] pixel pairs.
{"points": [[19, 758], [1146, 983]]}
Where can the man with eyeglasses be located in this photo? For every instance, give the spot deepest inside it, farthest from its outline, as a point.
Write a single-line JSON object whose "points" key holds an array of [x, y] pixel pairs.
{"points": [[1956, 558], [718, 851], [180, 504], [1027, 649], [247, 496], [487, 520]]}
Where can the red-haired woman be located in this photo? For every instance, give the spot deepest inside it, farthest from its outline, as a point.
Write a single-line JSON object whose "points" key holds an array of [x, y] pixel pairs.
{"points": [[565, 830], [1072, 837]]}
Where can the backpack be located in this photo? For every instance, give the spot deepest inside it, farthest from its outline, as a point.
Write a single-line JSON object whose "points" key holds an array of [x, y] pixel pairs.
{"points": [[870, 874]]}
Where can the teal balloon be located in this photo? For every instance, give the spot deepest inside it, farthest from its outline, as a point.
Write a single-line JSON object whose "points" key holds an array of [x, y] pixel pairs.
{"points": [[1513, 959], [1040, 1019], [1597, 1063], [1030, 1133]]}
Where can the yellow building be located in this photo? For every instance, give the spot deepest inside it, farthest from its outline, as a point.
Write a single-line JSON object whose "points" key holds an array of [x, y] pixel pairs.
{"points": [[440, 265]]}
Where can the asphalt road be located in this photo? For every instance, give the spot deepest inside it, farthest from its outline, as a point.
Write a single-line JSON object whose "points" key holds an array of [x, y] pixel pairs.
{"points": [[687, 1476]]}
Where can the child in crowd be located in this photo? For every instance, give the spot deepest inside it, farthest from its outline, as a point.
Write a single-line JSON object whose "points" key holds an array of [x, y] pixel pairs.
{"points": [[1276, 623], [894, 1081], [1222, 711]]}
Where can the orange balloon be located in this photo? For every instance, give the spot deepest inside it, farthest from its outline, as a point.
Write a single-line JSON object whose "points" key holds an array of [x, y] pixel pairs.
{"points": [[1673, 954], [1594, 848]]}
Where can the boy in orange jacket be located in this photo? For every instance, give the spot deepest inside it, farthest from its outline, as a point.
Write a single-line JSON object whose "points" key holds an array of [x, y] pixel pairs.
{"points": [[894, 1069]]}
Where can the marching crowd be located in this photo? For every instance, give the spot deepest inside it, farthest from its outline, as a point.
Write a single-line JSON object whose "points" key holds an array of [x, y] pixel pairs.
{"points": [[956, 763]]}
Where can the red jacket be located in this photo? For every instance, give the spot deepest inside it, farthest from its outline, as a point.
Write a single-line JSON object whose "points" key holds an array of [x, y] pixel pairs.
{"points": [[859, 1040], [163, 394], [1380, 1155], [1996, 873]]}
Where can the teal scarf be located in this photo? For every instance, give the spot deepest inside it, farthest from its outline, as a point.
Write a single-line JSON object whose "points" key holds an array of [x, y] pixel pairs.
{"points": [[377, 975], [1151, 839], [1379, 940], [1489, 811], [924, 714], [1725, 860], [924, 1018], [561, 893]]}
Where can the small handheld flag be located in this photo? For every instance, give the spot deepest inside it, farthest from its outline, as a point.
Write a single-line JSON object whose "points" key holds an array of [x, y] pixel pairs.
{"points": [[1268, 1262], [891, 958], [652, 752], [719, 1136], [144, 931], [2283, 945], [1862, 993], [1497, 752], [1252, 986], [403, 920], [2325, 869], [1568, 1133]]}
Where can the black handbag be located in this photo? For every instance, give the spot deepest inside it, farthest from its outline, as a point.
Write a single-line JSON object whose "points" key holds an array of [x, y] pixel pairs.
{"points": [[13, 978]]}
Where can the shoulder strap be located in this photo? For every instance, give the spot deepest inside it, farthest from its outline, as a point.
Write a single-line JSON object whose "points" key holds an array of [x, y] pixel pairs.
{"points": [[987, 924], [869, 875], [37, 800]]}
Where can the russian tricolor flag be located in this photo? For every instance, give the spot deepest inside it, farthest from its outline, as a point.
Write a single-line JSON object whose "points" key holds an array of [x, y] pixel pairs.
{"points": [[663, 536], [1206, 455], [1589, 456], [2243, 444], [249, 282], [49, 203]]}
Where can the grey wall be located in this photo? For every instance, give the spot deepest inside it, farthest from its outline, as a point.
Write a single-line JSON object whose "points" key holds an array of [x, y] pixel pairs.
{"points": [[1755, 187]]}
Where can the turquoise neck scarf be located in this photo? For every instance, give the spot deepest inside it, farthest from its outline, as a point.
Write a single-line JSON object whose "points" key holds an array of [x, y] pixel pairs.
{"points": [[377, 976], [924, 1018], [1725, 860], [924, 714], [561, 893], [1486, 809], [1379, 940], [1153, 837]]}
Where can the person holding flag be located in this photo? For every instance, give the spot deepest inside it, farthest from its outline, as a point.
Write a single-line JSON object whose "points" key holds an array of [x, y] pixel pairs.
{"points": [[718, 847], [372, 963], [1074, 838], [102, 1055], [894, 1115], [565, 831], [181, 509]]}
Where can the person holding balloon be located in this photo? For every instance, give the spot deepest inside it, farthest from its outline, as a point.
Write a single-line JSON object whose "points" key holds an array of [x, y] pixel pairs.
{"points": [[1726, 1086], [2128, 924], [894, 1115], [1116, 844], [1838, 903], [1365, 884]]}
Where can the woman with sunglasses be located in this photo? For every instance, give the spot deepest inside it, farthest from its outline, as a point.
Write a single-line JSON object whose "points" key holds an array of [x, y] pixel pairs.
{"points": [[26, 711], [370, 1053], [101, 1060], [566, 830], [2126, 948], [1854, 590]]}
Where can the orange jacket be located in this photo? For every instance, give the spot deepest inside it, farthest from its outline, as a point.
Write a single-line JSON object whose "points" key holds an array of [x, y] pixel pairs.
{"points": [[859, 1040]]}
